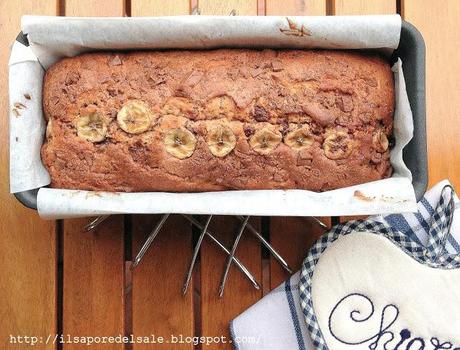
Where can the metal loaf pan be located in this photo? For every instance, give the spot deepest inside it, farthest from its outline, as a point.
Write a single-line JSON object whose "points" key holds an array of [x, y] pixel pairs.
{"points": [[411, 50]]}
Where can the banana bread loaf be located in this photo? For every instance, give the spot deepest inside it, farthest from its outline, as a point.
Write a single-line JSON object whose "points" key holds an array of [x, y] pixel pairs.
{"points": [[189, 121]]}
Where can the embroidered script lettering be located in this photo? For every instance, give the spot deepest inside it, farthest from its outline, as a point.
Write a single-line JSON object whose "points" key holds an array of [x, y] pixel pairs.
{"points": [[383, 337]]}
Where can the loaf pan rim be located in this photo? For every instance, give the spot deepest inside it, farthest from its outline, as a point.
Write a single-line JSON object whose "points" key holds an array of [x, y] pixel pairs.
{"points": [[415, 152]]}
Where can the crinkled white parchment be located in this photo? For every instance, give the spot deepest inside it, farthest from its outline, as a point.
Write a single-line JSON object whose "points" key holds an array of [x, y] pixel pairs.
{"points": [[52, 38]]}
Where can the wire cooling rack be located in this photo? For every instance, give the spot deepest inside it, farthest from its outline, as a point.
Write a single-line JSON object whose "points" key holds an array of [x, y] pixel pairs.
{"points": [[203, 226]]}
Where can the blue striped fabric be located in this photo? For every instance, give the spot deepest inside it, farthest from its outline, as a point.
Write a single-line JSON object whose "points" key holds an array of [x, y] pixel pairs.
{"points": [[455, 245], [294, 315]]}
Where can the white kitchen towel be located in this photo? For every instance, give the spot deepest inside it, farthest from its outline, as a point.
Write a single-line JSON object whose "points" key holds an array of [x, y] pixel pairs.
{"points": [[277, 321]]}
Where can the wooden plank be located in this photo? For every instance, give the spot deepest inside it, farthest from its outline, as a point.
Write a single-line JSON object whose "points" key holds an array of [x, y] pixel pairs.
{"points": [[216, 313], [295, 8], [363, 7], [438, 23], [91, 8], [159, 8], [239, 293], [93, 263], [28, 244], [224, 8], [157, 302], [292, 237], [93, 287]]}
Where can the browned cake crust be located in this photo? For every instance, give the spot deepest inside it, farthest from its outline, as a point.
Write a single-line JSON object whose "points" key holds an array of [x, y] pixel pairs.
{"points": [[218, 120]]}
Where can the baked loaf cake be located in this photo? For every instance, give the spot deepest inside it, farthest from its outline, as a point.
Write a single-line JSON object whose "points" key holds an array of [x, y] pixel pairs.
{"points": [[189, 121]]}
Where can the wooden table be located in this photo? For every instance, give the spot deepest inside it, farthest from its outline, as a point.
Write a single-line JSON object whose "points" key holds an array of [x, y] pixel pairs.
{"points": [[57, 279]]}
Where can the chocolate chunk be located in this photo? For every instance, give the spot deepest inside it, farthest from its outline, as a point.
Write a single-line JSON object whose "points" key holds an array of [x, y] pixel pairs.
{"points": [[144, 62], [181, 91], [72, 78], [112, 92], [260, 114], [137, 151], [54, 100], [248, 131], [278, 177], [304, 157], [116, 77], [257, 71], [321, 115], [345, 103], [345, 120], [371, 82], [194, 78], [103, 78], [277, 66], [134, 84], [115, 61], [284, 127], [327, 100], [365, 117], [155, 79]]}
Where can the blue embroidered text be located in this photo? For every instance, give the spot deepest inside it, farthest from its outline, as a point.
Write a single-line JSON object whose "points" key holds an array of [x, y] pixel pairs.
{"points": [[358, 309]]}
